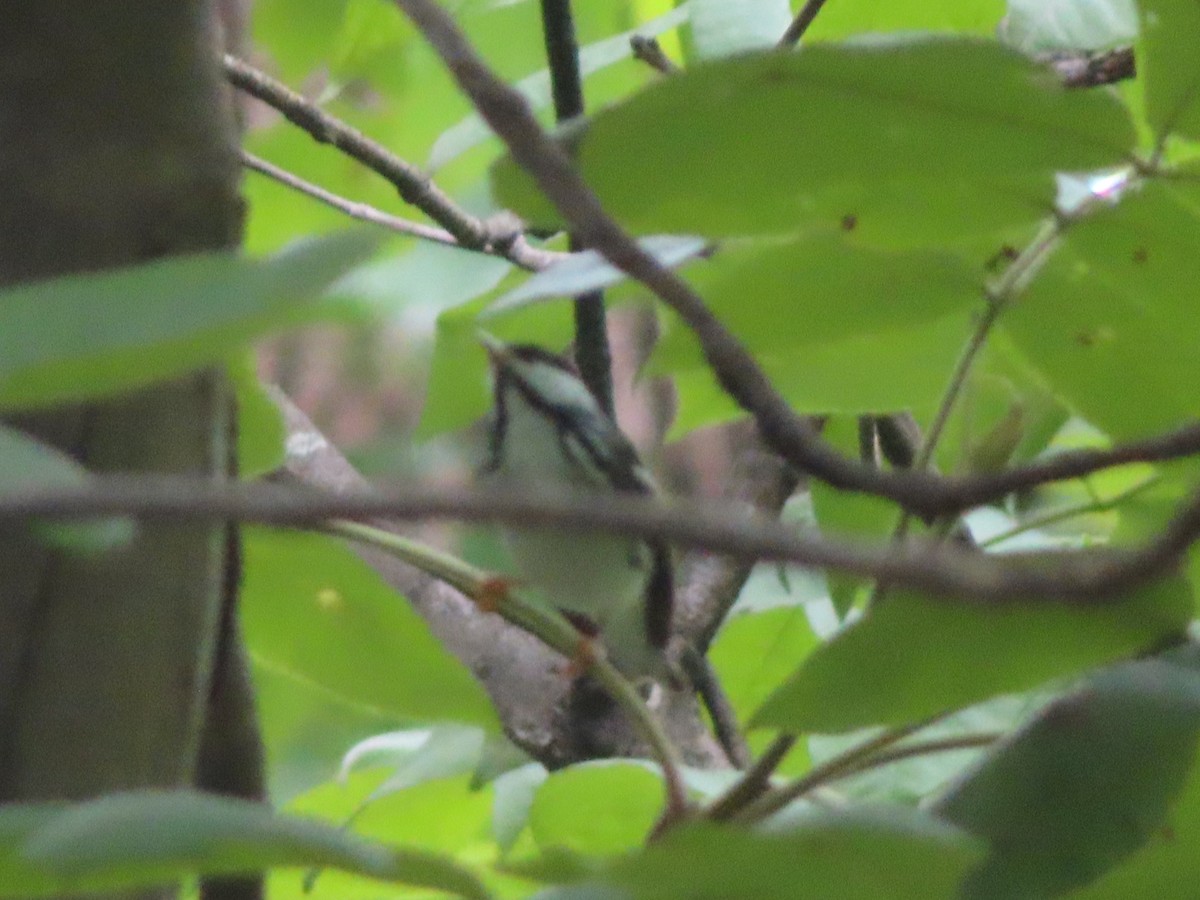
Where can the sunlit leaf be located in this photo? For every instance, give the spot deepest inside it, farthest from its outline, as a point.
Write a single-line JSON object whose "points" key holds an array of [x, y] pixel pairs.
{"points": [[1168, 66]]}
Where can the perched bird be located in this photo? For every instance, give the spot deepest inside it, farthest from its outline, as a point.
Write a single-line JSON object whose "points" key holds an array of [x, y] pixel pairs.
{"points": [[549, 435]]}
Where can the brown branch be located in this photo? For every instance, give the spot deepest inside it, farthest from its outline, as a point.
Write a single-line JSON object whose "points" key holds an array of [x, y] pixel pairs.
{"points": [[650, 51], [413, 185], [1084, 577], [800, 24], [1094, 69], [519, 252]]}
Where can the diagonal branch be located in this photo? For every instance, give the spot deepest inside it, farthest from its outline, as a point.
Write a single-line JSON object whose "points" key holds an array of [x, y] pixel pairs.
{"points": [[519, 252]]}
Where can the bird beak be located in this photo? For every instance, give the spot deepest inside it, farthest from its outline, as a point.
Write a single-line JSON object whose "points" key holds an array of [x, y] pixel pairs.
{"points": [[497, 351]]}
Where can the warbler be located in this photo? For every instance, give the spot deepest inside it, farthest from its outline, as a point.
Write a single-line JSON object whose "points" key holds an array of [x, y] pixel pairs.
{"points": [[549, 435]]}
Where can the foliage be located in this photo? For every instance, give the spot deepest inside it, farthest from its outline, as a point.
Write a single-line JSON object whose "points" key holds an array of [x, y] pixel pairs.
{"points": [[866, 197]]}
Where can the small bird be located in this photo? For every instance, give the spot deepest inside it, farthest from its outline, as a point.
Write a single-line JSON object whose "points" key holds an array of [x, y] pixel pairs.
{"points": [[550, 435]]}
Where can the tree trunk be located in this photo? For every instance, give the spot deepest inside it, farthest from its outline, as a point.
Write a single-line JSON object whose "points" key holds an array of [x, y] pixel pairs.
{"points": [[119, 147]]}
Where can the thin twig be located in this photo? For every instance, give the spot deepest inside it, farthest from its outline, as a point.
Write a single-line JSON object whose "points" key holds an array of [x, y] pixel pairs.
{"points": [[413, 185], [519, 252], [724, 717], [545, 624], [840, 766], [650, 51], [800, 24], [751, 786], [1084, 577], [592, 352]]}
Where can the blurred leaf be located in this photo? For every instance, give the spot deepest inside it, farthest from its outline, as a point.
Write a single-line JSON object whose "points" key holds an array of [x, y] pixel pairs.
{"points": [[596, 808], [535, 88], [515, 791], [589, 271], [899, 854], [448, 750], [28, 463], [754, 652], [143, 839], [260, 428], [1086, 783], [159, 319], [1168, 66], [1107, 323], [848, 18], [314, 609], [296, 34], [727, 27], [912, 657], [1003, 127], [1076, 26]]}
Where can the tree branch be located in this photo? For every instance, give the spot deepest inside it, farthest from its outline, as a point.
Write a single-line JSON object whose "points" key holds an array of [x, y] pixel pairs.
{"points": [[413, 185], [592, 351], [519, 252], [1084, 576], [800, 24]]}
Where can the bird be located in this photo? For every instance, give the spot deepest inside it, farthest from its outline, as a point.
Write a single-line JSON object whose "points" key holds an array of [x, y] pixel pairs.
{"points": [[548, 434]]}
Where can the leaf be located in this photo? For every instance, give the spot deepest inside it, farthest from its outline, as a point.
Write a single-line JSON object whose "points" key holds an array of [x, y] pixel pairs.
{"points": [[514, 793], [783, 296], [912, 657], [905, 368], [1076, 26], [779, 141], [82, 336], [472, 130], [1085, 783], [311, 608], [727, 27], [846, 855], [596, 808], [260, 428], [589, 271], [1168, 66], [146, 838], [449, 750], [28, 463], [1107, 323]]}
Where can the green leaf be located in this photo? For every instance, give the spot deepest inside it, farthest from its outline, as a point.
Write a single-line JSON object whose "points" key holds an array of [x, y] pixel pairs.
{"points": [[905, 368], [1086, 783], [845, 123], [1109, 324], [596, 808], [260, 429], [827, 856], [849, 18], [28, 463], [784, 296], [83, 336], [1041, 26], [589, 271], [719, 28], [912, 657], [143, 839], [313, 609], [1168, 66]]}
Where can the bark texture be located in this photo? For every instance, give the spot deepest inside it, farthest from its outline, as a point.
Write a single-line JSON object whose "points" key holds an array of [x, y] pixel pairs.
{"points": [[119, 147]]}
